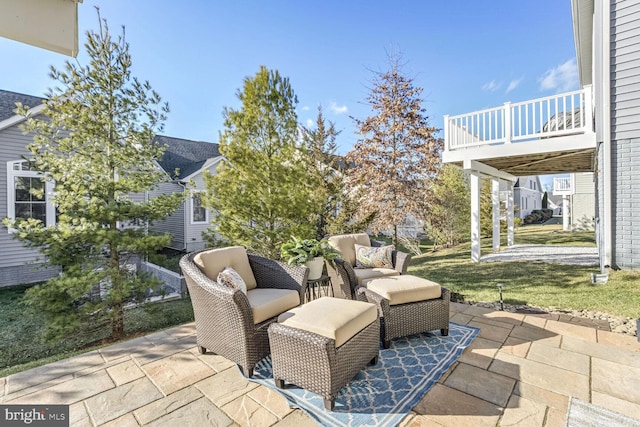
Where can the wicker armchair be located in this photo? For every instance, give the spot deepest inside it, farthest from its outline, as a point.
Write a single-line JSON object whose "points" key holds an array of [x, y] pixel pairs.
{"points": [[225, 317], [350, 277]]}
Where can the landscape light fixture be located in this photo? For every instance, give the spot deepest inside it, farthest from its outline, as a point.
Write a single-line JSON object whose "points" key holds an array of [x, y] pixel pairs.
{"points": [[500, 286]]}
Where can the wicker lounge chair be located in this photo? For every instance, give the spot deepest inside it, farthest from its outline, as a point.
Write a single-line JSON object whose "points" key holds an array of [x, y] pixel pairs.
{"points": [[230, 323], [349, 276]]}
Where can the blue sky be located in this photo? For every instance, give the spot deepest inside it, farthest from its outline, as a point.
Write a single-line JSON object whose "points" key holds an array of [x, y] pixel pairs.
{"points": [[467, 55]]}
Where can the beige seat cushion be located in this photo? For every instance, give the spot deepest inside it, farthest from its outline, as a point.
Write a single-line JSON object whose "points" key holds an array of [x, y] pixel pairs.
{"points": [[267, 302], [213, 261], [404, 289], [363, 274], [335, 318], [345, 244]]}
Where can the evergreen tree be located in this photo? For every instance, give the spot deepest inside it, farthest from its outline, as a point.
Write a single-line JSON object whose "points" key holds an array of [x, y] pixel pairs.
{"points": [[327, 172], [545, 201], [448, 216], [263, 193], [94, 142], [397, 154]]}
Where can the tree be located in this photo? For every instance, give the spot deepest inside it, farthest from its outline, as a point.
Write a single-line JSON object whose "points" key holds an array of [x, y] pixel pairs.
{"points": [[327, 173], [95, 144], [397, 155], [263, 193], [545, 200], [448, 216]]}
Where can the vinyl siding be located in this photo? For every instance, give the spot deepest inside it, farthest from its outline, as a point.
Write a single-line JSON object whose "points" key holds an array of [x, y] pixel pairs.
{"points": [[13, 254], [625, 131], [194, 231], [173, 224]]}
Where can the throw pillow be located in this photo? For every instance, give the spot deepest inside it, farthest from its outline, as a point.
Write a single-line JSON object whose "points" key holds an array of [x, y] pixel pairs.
{"points": [[370, 257], [232, 279]]}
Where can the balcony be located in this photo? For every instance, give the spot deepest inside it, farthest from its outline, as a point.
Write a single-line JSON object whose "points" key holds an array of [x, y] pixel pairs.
{"points": [[545, 135], [562, 186]]}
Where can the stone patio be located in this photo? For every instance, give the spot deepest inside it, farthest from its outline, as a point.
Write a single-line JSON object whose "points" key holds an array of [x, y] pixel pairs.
{"points": [[520, 370]]}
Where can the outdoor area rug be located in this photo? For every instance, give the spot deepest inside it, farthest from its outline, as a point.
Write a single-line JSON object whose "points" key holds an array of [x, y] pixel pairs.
{"points": [[583, 414], [383, 394]]}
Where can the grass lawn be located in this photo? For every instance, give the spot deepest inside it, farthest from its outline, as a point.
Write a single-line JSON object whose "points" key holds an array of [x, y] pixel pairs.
{"points": [[538, 284], [21, 337]]}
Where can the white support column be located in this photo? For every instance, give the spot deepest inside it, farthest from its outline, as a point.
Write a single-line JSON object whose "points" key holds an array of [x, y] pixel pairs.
{"points": [[510, 216], [565, 213], [495, 201], [474, 178]]}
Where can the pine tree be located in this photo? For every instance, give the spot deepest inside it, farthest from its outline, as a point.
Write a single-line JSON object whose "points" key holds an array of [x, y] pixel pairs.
{"points": [[327, 172], [94, 142], [448, 216], [263, 193], [397, 155]]}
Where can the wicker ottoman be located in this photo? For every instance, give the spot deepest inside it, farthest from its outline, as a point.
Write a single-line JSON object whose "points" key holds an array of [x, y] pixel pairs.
{"points": [[321, 345], [408, 305]]}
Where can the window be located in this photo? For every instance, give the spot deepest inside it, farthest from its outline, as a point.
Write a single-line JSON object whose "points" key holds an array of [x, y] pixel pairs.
{"points": [[199, 213], [22, 180]]}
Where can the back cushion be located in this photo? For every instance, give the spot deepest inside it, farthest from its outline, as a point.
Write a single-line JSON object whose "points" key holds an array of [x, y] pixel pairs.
{"points": [[213, 261], [345, 244]]}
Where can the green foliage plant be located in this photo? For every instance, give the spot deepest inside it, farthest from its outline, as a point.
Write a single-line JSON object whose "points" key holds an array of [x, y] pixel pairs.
{"points": [[94, 141], [448, 217], [297, 251], [262, 193]]}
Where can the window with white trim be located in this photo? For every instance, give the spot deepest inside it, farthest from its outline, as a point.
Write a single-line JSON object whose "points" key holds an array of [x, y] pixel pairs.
{"points": [[199, 214], [22, 179]]}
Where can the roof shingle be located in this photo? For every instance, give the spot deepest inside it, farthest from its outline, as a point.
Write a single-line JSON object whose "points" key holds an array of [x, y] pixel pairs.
{"points": [[8, 102]]}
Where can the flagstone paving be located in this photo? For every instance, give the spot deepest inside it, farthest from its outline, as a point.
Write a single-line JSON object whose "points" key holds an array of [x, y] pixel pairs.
{"points": [[520, 371]]}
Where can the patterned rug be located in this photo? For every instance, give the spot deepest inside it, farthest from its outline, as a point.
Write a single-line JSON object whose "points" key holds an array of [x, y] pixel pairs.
{"points": [[583, 414], [382, 395]]}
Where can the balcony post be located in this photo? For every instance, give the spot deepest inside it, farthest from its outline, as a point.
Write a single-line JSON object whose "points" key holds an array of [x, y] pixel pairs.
{"points": [[495, 201], [588, 108], [565, 213], [506, 125], [474, 177], [447, 144], [510, 215]]}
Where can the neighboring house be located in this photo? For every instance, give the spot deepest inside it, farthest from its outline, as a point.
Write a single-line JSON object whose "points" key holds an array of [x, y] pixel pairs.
{"points": [[19, 264], [527, 195], [578, 198], [189, 159], [526, 192], [603, 135], [22, 265]]}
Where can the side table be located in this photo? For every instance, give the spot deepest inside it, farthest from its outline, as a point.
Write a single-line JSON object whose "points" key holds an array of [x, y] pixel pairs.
{"points": [[319, 287]]}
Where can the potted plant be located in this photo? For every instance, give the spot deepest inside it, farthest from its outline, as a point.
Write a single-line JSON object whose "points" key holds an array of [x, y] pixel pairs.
{"points": [[310, 252]]}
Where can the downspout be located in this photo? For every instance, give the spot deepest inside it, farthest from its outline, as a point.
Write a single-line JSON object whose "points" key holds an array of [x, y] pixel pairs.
{"points": [[607, 171]]}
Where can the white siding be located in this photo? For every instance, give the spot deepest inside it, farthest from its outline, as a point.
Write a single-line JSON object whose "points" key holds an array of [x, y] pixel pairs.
{"points": [[194, 240], [12, 147], [625, 131]]}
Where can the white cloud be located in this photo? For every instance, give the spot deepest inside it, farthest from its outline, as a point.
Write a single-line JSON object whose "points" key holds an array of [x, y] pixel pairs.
{"points": [[514, 84], [338, 109], [562, 78], [306, 108], [492, 86], [309, 123]]}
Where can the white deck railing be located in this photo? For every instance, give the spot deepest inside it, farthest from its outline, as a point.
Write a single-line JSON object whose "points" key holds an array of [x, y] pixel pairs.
{"points": [[557, 115], [561, 184]]}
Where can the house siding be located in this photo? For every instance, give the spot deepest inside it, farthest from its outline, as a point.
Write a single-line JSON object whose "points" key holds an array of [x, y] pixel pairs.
{"points": [[625, 132], [18, 264], [173, 224], [583, 207], [195, 240]]}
